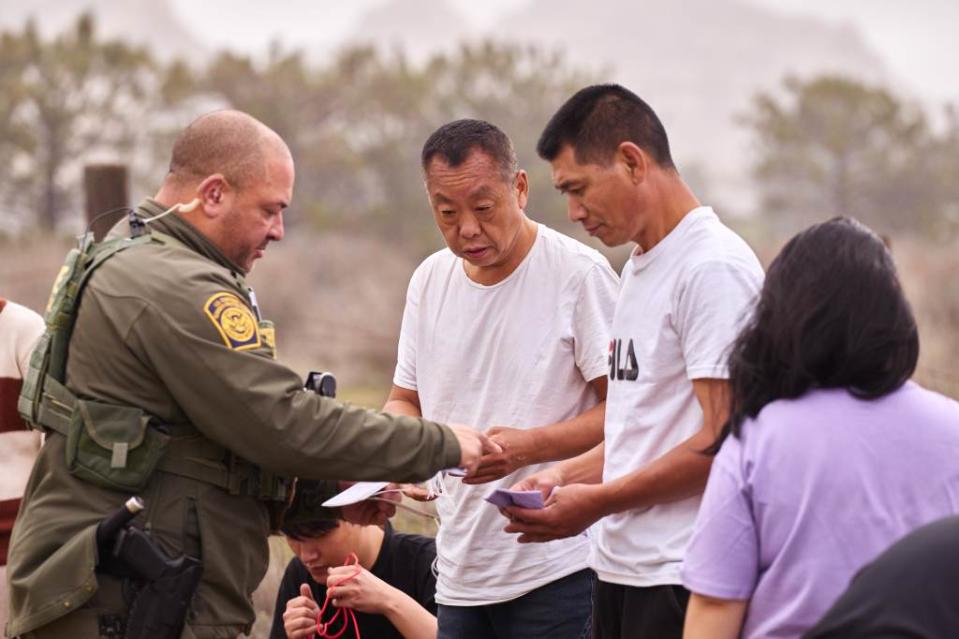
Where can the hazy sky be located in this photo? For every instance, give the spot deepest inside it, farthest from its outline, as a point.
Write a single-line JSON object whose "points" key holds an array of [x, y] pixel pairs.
{"points": [[305, 22], [916, 38]]}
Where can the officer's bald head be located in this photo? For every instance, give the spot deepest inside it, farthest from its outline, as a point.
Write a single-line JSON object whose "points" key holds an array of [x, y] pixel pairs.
{"points": [[233, 177], [231, 143]]}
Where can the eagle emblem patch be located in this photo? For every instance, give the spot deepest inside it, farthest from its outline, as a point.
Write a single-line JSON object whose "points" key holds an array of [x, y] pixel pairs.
{"points": [[234, 321]]}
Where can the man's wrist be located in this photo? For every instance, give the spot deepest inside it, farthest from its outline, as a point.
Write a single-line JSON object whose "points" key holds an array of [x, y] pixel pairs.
{"points": [[618, 496], [393, 601], [604, 499], [536, 446], [559, 475]]}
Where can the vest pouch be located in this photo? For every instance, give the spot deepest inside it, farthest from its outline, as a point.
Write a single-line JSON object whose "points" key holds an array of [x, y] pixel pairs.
{"points": [[31, 393], [113, 447]]}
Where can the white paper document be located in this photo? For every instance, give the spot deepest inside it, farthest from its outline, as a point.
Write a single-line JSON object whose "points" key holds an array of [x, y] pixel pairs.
{"points": [[356, 493], [520, 498]]}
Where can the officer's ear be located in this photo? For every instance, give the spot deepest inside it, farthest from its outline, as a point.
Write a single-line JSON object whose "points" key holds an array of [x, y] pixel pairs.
{"points": [[215, 195]]}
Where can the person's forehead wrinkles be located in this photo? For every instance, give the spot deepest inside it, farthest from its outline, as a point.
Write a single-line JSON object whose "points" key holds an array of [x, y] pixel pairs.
{"points": [[460, 187], [482, 190], [475, 167], [439, 198]]}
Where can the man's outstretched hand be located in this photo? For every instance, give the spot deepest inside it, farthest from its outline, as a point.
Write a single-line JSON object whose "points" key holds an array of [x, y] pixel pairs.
{"points": [[517, 449], [473, 446]]}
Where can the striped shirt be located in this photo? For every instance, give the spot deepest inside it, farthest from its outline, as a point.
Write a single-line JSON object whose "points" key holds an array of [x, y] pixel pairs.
{"points": [[19, 330]]}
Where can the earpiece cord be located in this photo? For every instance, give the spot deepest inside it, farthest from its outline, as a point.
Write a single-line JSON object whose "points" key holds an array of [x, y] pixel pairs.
{"points": [[401, 506], [126, 209], [323, 630], [173, 208], [119, 209]]}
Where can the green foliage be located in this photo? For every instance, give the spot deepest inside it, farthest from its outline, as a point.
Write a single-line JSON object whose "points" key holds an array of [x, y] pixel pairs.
{"points": [[356, 126], [61, 100], [833, 146]]}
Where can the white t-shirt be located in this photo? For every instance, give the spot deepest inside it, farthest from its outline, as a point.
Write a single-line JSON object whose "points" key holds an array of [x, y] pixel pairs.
{"points": [[518, 353], [679, 310]]}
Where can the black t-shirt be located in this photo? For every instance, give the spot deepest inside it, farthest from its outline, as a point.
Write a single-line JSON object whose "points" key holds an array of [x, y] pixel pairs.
{"points": [[405, 562], [910, 591]]}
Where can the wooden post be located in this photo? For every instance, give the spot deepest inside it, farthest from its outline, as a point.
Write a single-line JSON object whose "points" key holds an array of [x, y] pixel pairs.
{"points": [[105, 189]]}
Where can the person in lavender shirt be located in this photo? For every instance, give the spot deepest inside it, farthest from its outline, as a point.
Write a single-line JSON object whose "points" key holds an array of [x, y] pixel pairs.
{"points": [[834, 454]]}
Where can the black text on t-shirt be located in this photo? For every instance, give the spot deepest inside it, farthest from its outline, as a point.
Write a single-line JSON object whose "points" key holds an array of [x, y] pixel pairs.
{"points": [[619, 369]]}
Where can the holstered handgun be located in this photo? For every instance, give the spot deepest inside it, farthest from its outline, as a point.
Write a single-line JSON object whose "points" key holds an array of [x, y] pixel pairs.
{"points": [[166, 586]]}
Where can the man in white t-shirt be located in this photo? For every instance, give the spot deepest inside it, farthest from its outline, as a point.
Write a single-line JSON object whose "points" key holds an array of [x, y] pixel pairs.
{"points": [[506, 328], [686, 289]]}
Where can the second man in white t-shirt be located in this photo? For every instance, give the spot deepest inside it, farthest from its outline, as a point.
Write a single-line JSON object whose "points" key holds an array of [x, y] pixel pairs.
{"points": [[686, 289], [507, 328]]}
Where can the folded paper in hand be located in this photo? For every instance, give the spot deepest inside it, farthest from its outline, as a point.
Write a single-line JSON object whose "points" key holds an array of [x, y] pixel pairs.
{"points": [[356, 493], [520, 498]]}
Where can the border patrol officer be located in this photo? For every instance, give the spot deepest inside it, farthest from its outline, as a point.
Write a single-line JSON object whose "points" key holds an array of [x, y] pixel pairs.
{"points": [[159, 380]]}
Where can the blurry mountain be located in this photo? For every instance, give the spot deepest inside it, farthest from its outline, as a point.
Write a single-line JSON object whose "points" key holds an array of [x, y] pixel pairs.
{"points": [[149, 23], [697, 62], [418, 27]]}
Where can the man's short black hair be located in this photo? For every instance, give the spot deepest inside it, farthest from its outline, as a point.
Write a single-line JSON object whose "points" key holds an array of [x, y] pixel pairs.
{"points": [[304, 530], [453, 142], [305, 517], [597, 119]]}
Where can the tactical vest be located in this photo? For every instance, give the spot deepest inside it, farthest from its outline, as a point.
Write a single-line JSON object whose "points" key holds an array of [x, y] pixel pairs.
{"points": [[113, 446]]}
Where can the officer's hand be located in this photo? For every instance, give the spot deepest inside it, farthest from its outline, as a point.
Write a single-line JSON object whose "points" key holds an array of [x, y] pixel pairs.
{"points": [[299, 620], [473, 445], [518, 447], [370, 511]]}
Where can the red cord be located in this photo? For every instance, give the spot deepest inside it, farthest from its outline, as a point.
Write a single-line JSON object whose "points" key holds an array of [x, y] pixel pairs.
{"points": [[323, 630]]}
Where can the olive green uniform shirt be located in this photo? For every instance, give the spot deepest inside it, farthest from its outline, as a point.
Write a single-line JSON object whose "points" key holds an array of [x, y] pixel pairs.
{"points": [[151, 332]]}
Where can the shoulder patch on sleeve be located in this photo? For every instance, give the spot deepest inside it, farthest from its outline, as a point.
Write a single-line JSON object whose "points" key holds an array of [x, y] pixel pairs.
{"points": [[233, 320]]}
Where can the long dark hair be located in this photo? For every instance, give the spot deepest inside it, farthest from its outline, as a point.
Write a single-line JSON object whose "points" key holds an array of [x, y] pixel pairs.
{"points": [[831, 315]]}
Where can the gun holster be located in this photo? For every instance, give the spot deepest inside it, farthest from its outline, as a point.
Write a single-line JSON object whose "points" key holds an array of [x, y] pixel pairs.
{"points": [[164, 586]]}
